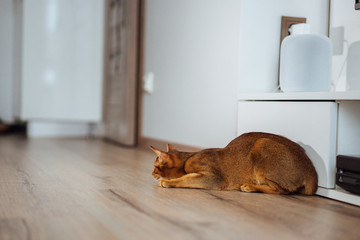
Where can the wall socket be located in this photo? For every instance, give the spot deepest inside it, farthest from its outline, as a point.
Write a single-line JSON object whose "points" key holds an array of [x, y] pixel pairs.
{"points": [[286, 23], [148, 83]]}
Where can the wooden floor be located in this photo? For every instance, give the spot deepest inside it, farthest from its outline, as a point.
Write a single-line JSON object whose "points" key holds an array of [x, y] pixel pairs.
{"points": [[90, 189]]}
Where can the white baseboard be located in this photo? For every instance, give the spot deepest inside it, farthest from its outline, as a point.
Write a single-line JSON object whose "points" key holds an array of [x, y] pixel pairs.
{"points": [[340, 195], [43, 129]]}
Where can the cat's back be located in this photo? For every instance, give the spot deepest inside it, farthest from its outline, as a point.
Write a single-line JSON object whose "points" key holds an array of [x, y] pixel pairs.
{"points": [[247, 140]]}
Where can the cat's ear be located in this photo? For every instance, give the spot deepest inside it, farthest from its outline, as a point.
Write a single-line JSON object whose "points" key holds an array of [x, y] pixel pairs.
{"points": [[164, 157], [158, 152], [170, 148]]}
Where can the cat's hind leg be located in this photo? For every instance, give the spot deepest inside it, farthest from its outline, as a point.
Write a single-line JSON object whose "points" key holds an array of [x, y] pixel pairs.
{"points": [[203, 180], [265, 186]]}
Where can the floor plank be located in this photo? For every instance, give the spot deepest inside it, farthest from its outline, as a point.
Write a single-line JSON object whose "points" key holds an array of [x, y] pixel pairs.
{"points": [[90, 189]]}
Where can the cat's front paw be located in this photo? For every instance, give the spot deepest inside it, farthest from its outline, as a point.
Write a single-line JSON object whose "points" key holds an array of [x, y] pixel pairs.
{"points": [[163, 183], [246, 188]]}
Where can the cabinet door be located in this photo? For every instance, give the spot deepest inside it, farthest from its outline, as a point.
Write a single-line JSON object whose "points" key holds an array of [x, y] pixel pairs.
{"points": [[311, 124], [62, 60]]}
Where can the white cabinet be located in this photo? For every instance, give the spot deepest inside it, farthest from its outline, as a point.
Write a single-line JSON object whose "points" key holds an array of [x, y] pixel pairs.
{"points": [[62, 60], [51, 65], [311, 124], [325, 124]]}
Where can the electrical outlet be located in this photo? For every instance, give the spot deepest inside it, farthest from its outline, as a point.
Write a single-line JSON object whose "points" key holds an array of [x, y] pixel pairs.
{"points": [[149, 83], [286, 23]]}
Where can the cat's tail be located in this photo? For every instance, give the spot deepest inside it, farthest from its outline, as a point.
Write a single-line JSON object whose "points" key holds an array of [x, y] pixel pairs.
{"points": [[310, 183]]}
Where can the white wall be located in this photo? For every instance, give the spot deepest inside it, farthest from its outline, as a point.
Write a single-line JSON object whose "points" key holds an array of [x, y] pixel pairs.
{"points": [[260, 25], [192, 49], [202, 51], [344, 32], [6, 59]]}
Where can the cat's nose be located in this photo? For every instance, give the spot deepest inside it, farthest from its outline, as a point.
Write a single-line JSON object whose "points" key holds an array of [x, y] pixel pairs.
{"points": [[156, 176]]}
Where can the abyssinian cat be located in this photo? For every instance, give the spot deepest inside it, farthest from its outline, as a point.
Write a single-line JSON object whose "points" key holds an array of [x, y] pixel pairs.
{"points": [[252, 162]]}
